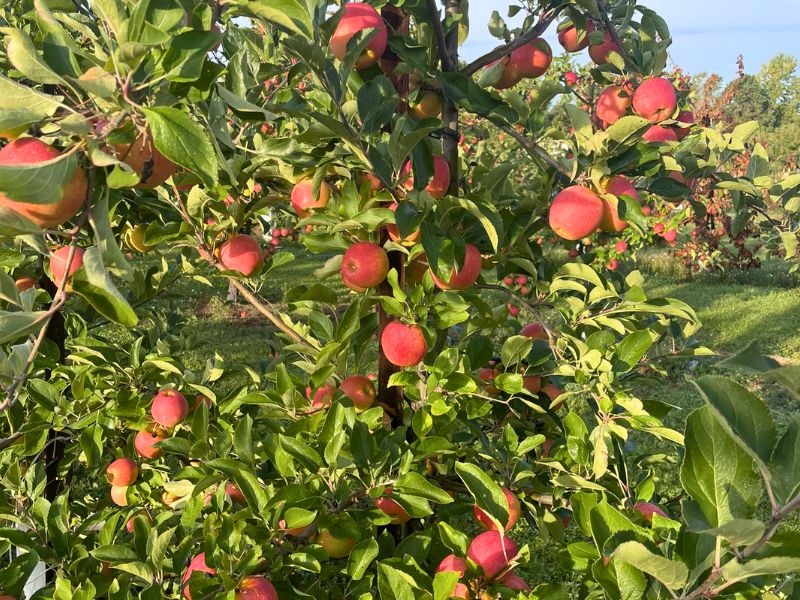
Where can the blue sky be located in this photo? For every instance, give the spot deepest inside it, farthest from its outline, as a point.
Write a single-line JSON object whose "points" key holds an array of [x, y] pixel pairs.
{"points": [[707, 35]]}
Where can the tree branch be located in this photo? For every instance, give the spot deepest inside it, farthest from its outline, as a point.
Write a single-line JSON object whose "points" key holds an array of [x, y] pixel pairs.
{"points": [[537, 30], [609, 26], [438, 32], [537, 152]]}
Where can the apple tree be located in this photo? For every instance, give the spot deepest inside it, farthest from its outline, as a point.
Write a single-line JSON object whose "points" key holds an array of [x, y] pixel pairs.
{"points": [[508, 417]]}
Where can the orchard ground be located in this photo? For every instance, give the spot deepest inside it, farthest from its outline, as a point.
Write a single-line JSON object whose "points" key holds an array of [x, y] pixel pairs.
{"points": [[735, 308]]}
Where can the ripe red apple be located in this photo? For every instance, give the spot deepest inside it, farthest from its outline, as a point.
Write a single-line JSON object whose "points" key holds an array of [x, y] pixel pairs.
{"points": [[685, 116], [392, 508], [508, 78], [122, 472], [394, 232], [360, 390], [515, 582], [575, 212], [671, 235], [658, 228], [532, 383], [536, 331], [658, 134], [513, 310], [242, 253], [322, 397], [375, 184], [513, 513], [437, 187], [404, 345], [601, 52], [144, 443], [612, 264], [119, 495], [455, 564], [198, 564], [465, 277], [58, 263], [335, 547], [429, 105], [552, 391], [30, 151], [357, 17], [508, 280], [621, 246], [256, 588], [169, 408], [492, 552], [618, 185], [532, 59], [570, 78], [612, 103], [655, 99], [25, 283], [303, 199], [648, 509], [130, 524], [143, 157], [521, 280], [571, 39], [364, 265]]}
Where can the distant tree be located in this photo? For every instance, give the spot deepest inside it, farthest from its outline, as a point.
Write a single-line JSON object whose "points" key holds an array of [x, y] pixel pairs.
{"points": [[748, 101], [779, 80]]}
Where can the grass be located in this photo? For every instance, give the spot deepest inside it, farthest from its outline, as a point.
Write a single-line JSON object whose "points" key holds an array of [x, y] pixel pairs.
{"points": [[735, 308]]}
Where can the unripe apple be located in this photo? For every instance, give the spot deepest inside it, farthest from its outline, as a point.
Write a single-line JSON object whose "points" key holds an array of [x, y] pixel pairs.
{"points": [[648, 509], [618, 185], [429, 106], [535, 331], [145, 441], [364, 265], [144, 158], [122, 472], [394, 232], [58, 263], [392, 508], [357, 17], [256, 588], [404, 345], [335, 547], [30, 151], [655, 99], [241, 253], [465, 277], [437, 187], [360, 390], [492, 552], [575, 212], [532, 59], [513, 513], [571, 39], [169, 408], [601, 52], [198, 564], [303, 199], [119, 495], [612, 103]]}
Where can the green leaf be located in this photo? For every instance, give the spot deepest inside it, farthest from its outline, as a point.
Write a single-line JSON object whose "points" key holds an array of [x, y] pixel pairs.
{"points": [[15, 325], [114, 554], [178, 137], [785, 464], [671, 573], [407, 137], [757, 567], [739, 532], [416, 485], [361, 557], [13, 224], [486, 492], [633, 347], [290, 15], [39, 183], [26, 59], [21, 106], [393, 584], [716, 471], [742, 413], [95, 284], [750, 358], [515, 349]]}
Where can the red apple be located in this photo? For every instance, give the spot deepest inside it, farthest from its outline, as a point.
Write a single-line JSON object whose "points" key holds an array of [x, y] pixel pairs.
{"points": [[242, 253], [575, 212], [197, 564], [30, 151], [394, 232], [119, 495], [508, 78], [303, 199], [322, 397], [455, 564], [601, 52], [648, 509], [658, 134], [685, 116], [364, 265], [169, 408], [612, 103], [404, 345], [618, 186], [122, 472], [58, 263], [670, 235], [335, 547], [465, 277], [437, 187], [655, 99], [532, 59], [658, 228], [357, 17], [513, 513], [360, 390], [571, 39], [536, 331], [25, 283], [392, 508], [532, 383], [621, 246], [375, 184], [515, 582], [143, 157], [570, 78], [492, 552], [145, 441], [256, 588], [612, 264]]}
